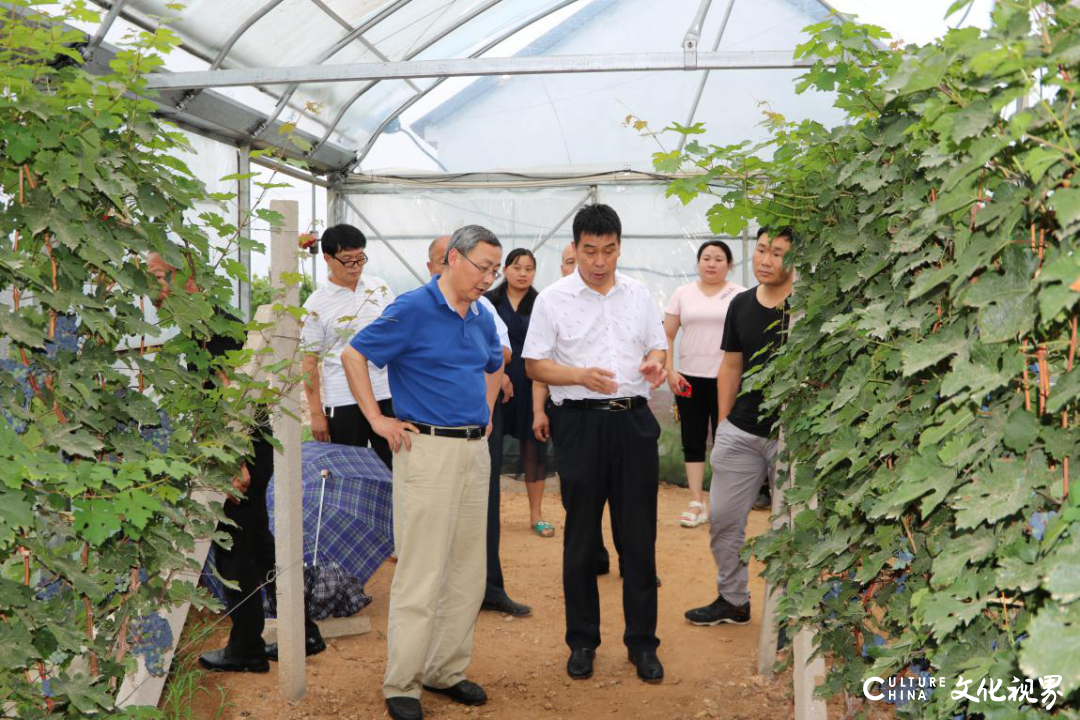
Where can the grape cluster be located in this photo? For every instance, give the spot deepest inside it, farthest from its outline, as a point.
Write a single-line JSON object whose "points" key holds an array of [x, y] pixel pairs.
{"points": [[151, 638]]}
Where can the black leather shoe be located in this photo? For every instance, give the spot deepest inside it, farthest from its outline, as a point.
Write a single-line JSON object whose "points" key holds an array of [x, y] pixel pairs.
{"points": [[648, 665], [579, 666], [404, 708], [506, 605], [312, 646], [465, 692], [224, 661]]}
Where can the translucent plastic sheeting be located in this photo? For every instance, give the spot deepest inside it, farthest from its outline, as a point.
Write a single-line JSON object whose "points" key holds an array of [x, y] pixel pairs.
{"points": [[500, 122], [660, 235], [472, 124]]}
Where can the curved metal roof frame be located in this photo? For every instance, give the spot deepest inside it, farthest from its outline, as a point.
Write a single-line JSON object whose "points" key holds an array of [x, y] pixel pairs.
{"points": [[416, 98], [293, 79]]}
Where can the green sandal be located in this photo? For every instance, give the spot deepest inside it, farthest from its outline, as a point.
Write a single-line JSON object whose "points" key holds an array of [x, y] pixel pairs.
{"points": [[544, 529]]}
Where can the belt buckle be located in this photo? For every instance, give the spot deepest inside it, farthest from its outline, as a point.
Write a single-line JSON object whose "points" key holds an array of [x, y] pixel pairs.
{"points": [[474, 433], [619, 404]]}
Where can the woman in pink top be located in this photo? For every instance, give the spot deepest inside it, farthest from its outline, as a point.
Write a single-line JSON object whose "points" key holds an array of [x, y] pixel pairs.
{"points": [[699, 308]]}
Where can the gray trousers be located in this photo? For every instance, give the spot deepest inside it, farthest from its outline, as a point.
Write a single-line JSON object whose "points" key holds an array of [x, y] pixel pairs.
{"points": [[740, 463]]}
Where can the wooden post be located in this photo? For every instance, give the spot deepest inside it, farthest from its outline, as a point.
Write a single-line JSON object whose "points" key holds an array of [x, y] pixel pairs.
{"points": [[288, 485]]}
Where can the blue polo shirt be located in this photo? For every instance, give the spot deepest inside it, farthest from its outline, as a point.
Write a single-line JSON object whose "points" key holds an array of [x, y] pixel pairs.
{"points": [[436, 358]]}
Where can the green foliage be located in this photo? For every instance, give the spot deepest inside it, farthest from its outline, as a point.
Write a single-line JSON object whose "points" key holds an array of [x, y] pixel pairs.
{"points": [[927, 390], [107, 447], [263, 294]]}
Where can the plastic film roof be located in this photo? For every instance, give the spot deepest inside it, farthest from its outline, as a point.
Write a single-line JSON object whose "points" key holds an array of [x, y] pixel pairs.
{"points": [[417, 124]]}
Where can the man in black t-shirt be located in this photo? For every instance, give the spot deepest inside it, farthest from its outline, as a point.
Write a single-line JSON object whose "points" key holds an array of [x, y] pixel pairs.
{"points": [[744, 454]]}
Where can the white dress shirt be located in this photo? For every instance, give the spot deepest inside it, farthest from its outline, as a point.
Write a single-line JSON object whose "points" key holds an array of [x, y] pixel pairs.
{"points": [[574, 325], [335, 315], [500, 326]]}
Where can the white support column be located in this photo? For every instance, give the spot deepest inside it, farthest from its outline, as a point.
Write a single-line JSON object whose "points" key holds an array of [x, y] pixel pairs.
{"points": [[288, 485]]}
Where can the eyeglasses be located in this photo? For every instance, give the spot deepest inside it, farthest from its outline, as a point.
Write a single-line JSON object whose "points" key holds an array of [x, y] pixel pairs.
{"points": [[355, 263], [495, 274]]}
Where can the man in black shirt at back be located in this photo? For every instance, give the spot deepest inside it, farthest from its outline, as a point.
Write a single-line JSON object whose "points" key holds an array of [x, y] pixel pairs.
{"points": [[744, 454]]}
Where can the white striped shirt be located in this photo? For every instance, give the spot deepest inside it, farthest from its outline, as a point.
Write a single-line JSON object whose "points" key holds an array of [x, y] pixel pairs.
{"points": [[335, 315]]}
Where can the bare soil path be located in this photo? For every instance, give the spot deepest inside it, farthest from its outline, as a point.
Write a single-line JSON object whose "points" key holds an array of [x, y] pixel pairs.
{"points": [[710, 672]]}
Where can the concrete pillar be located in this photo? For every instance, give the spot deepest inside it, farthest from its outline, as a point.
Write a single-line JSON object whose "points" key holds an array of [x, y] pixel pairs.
{"points": [[288, 485]]}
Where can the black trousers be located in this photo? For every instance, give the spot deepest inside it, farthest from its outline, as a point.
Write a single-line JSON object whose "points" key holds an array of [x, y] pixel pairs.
{"points": [[348, 426], [250, 560], [608, 457], [698, 417], [494, 589]]}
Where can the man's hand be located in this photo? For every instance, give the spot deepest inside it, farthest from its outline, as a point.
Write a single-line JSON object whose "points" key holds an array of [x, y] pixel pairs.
{"points": [[395, 432], [599, 380], [507, 389], [320, 427], [241, 483], [487, 432], [654, 373], [541, 426]]}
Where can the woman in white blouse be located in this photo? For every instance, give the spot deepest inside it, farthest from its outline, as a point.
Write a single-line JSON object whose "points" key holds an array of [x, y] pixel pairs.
{"points": [[699, 308]]}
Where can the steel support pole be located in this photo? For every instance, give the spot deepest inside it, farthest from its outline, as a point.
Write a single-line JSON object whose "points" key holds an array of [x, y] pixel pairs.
{"points": [[243, 223], [288, 480], [589, 194], [692, 39], [705, 75], [103, 29], [387, 243], [468, 67]]}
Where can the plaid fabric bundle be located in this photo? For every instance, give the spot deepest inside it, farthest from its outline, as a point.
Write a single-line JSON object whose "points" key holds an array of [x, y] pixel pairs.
{"points": [[348, 518]]}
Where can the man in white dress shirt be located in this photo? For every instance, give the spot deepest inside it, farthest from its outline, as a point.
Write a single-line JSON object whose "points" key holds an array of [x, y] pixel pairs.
{"points": [[347, 303], [496, 598], [597, 340]]}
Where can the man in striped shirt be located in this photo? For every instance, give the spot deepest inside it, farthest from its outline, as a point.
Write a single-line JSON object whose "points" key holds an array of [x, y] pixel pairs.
{"points": [[337, 310]]}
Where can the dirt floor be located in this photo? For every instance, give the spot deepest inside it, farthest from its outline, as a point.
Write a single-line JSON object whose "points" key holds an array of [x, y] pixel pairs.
{"points": [[709, 672]]}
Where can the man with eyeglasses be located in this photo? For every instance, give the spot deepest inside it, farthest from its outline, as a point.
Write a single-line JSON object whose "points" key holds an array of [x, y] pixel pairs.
{"points": [[343, 306], [496, 598], [443, 355]]}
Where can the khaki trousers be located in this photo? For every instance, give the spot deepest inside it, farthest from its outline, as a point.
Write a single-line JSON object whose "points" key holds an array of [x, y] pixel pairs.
{"points": [[440, 522]]}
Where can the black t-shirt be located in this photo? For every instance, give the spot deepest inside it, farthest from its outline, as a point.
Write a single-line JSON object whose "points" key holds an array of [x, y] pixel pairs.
{"points": [[755, 331]]}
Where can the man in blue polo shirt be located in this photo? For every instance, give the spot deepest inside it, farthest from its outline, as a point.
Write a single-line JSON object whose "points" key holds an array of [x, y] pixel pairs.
{"points": [[438, 344]]}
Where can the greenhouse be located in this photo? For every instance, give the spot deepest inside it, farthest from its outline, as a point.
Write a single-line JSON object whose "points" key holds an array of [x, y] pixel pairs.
{"points": [[317, 316]]}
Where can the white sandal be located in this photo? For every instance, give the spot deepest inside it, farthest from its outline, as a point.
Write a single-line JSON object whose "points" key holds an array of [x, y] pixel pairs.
{"points": [[690, 519]]}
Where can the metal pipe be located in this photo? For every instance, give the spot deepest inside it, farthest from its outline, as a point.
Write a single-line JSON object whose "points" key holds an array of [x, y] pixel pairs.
{"points": [[551, 233], [340, 45], [465, 67], [376, 233], [103, 29], [329, 12], [239, 32], [693, 34], [414, 99], [705, 75], [367, 86]]}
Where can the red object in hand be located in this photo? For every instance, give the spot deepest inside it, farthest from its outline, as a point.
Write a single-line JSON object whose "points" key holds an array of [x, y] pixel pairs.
{"points": [[684, 389]]}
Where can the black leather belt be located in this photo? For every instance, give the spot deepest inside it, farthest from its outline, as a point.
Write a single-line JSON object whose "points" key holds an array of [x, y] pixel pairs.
{"points": [[607, 404], [473, 432]]}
